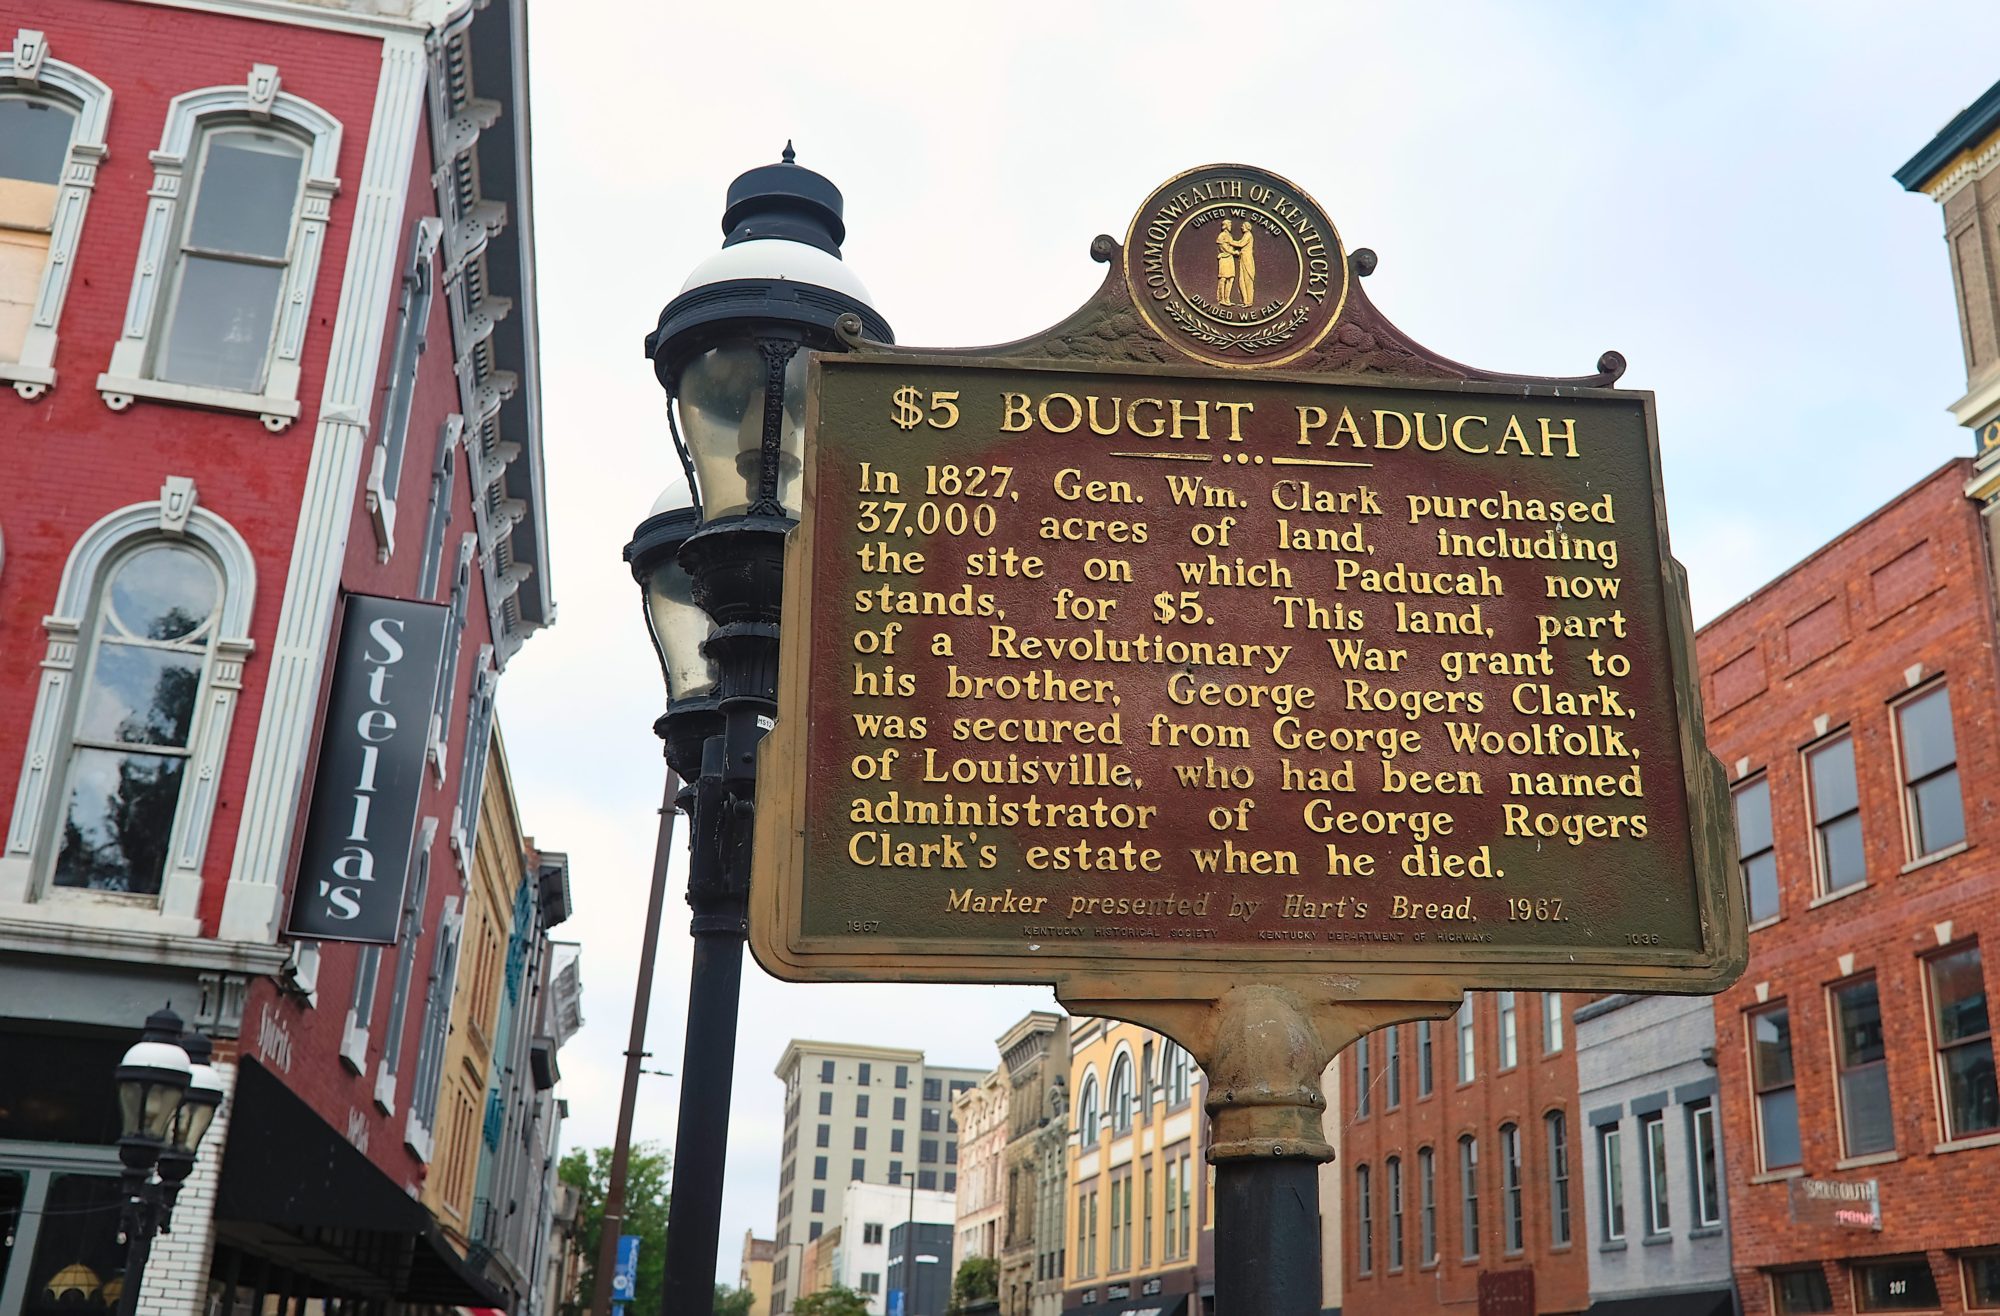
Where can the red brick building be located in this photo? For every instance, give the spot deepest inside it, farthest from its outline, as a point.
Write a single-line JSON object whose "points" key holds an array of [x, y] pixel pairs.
{"points": [[267, 332], [1852, 702], [1461, 1165]]}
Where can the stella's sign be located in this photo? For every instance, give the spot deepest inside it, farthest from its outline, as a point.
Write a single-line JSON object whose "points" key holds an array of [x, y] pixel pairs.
{"points": [[1203, 641]]}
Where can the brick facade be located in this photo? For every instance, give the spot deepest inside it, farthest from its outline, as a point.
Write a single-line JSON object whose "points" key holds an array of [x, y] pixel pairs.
{"points": [[1898, 604], [1398, 1122]]}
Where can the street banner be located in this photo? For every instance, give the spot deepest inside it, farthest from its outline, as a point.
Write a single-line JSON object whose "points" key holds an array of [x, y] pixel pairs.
{"points": [[625, 1279], [363, 816], [1224, 635]]}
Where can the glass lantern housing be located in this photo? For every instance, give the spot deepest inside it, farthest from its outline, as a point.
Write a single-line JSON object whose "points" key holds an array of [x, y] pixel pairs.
{"points": [[722, 400], [151, 1080], [197, 1109]]}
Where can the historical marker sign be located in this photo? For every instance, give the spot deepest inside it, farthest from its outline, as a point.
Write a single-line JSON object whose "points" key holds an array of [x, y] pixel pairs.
{"points": [[1098, 669]]}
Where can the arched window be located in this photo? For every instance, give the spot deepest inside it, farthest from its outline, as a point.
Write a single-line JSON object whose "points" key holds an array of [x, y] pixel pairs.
{"points": [[146, 649], [52, 121], [242, 186], [1118, 1099], [1086, 1112], [150, 645]]}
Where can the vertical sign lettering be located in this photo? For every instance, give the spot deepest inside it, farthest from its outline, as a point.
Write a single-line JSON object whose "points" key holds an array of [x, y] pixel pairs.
{"points": [[363, 819]]}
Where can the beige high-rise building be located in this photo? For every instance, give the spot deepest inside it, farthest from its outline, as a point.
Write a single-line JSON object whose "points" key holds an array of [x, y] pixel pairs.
{"points": [[856, 1113]]}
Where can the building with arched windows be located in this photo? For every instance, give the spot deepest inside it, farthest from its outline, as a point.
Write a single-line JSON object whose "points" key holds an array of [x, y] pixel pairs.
{"points": [[267, 370], [1141, 1215]]}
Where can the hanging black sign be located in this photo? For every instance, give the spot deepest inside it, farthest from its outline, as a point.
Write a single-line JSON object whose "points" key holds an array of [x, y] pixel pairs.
{"points": [[371, 772]]}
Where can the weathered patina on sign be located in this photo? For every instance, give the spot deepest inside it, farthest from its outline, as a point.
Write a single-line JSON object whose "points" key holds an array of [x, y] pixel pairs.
{"points": [[1153, 679]]}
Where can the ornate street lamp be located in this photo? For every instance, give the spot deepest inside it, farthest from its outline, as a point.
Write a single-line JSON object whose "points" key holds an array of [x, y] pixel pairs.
{"points": [[168, 1095], [730, 350]]}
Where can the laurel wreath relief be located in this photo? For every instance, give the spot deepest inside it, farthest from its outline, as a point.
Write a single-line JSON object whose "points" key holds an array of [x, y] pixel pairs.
{"points": [[1256, 340]]}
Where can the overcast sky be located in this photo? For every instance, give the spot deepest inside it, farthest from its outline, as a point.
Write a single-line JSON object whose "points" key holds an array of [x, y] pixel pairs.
{"points": [[1705, 188]]}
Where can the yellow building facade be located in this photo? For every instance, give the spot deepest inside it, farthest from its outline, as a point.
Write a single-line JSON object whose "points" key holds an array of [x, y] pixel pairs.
{"points": [[1141, 1208], [468, 1059]]}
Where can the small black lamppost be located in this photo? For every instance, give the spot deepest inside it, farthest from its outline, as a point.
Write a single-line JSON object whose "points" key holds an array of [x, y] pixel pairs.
{"points": [[168, 1095], [730, 350]]}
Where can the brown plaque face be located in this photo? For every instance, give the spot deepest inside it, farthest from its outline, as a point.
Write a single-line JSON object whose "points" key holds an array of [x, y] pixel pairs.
{"points": [[1236, 267], [1094, 673]]}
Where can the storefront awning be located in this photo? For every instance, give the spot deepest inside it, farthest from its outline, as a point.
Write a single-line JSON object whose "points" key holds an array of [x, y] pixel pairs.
{"points": [[1707, 1302], [294, 1189], [1163, 1305]]}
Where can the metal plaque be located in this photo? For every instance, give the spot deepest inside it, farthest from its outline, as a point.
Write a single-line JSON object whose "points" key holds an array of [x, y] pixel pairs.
{"points": [[1148, 679]]}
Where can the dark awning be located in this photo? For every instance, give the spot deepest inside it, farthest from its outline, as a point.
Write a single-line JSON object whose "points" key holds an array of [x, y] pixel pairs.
{"points": [[295, 1190], [1166, 1304], [1707, 1302]]}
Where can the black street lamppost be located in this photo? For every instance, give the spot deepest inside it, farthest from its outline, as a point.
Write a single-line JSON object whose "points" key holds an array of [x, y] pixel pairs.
{"points": [[730, 350], [168, 1095]]}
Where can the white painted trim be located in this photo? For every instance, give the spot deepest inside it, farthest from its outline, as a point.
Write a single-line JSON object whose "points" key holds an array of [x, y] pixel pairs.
{"points": [[27, 65], [424, 14], [253, 906], [257, 98], [25, 858], [354, 1044]]}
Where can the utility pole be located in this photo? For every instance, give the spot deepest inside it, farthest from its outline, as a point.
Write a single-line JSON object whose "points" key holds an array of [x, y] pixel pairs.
{"points": [[613, 1220]]}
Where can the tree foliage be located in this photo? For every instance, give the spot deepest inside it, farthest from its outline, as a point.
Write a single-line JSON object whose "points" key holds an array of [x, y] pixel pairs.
{"points": [[836, 1301], [589, 1172], [733, 1302], [977, 1280]]}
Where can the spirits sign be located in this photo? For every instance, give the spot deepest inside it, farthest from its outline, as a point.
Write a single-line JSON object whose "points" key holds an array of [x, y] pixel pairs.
{"points": [[1234, 674]]}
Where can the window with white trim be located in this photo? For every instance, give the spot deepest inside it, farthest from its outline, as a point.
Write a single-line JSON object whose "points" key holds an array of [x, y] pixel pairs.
{"points": [[1509, 1030], [478, 740], [1756, 858], [1365, 1239], [1087, 1123], [1838, 858], [416, 888], [146, 646], [1611, 1162], [1468, 1053], [1556, 1128], [429, 1077], [1552, 1022], [243, 185], [437, 521], [454, 638], [53, 117], [1512, 1232], [392, 430], [1118, 1098], [1707, 1165], [1929, 754], [1468, 1187], [1653, 1147]]}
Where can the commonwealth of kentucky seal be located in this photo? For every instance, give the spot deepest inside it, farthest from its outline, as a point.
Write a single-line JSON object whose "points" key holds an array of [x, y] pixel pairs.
{"points": [[1235, 266]]}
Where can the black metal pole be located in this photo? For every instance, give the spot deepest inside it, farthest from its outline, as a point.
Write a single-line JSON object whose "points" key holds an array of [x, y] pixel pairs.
{"points": [[718, 890], [613, 1217], [141, 1223], [1267, 1237], [910, 1253]]}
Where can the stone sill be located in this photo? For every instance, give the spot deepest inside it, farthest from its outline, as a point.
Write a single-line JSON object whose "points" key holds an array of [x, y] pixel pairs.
{"points": [[1842, 894], [276, 413], [1873, 1158], [1763, 923], [1967, 1144], [1656, 1240], [1779, 1176], [1615, 1245], [1706, 1231], [1936, 857]]}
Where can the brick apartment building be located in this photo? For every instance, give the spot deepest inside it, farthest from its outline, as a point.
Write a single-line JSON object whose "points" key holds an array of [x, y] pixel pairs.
{"points": [[1852, 702], [1460, 1171], [267, 325]]}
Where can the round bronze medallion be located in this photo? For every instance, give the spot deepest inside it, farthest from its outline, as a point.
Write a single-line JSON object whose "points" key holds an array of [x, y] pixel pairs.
{"points": [[1236, 267]]}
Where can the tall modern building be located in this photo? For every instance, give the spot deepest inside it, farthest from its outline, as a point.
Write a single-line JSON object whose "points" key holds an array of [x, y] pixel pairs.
{"points": [[857, 1113]]}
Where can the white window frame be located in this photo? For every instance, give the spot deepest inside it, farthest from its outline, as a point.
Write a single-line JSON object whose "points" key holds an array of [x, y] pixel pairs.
{"points": [[1657, 1179], [385, 467], [31, 835], [420, 1127], [1906, 789], [1611, 1179], [1702, 1132], [257, 100], [1552, 1023], [1468, 1042], [1507, 1036], [27, 68]]}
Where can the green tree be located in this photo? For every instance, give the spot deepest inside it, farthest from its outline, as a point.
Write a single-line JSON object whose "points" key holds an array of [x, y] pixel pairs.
{"points": [[836, 1301], [733, 1302], [589, 1172], [978, 1279]]}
